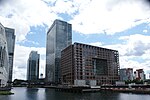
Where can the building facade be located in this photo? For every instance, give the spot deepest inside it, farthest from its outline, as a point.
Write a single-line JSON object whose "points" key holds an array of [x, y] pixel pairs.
{"points": [[126, 74], [83, 64], [33, 66], [59, 36], [10, 36], [139, 74], [4, 59]]}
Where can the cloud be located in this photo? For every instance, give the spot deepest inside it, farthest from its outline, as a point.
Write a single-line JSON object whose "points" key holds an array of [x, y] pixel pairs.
{"points": [[136, 45], [29, 41], [22, 14], [110, 16], [20, 60], [145, 31], [92, 16], [96, 44]]}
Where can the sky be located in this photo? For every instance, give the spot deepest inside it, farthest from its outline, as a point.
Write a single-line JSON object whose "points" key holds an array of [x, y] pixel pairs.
{"points": [[121, 25]]}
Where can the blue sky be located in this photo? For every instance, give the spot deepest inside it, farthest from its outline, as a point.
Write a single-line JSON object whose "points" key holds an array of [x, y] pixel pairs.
{"points": [[122, 25]]}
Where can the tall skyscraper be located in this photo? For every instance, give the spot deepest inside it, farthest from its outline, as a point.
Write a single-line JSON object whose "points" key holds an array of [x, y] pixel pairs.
{"points": [[83, 64], [59, 36], [4, 59], [10, 36], [33, 66]]}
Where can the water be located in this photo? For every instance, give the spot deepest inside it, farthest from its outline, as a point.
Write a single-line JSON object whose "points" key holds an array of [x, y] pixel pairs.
{"points": [[51, 94]]}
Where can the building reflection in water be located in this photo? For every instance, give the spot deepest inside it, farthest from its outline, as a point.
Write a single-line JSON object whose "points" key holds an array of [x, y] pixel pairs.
{"points": [[32, 93]]}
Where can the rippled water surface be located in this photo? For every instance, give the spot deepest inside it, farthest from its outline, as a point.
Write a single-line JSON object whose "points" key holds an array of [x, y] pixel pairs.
{"points": [[22, 93]]}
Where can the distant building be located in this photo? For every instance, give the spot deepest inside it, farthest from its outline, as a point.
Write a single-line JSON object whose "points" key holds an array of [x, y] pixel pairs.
{"points": [[33, 66], [139, 74], [83, 64], [4, 58], [126, 74], [10, 36], [59, 36]]}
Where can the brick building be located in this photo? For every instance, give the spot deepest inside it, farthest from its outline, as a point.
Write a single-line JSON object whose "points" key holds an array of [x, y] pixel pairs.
{"points": [[83, 64]]}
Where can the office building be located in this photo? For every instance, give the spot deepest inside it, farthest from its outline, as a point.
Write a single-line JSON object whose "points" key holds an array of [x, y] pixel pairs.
{"points": [[139, 74], [10, 36], [4, 59], [83, 64], [59, 36], [126, 74], [33, 66]]}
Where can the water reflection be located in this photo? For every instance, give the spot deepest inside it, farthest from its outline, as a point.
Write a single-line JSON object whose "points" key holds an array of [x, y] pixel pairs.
{"points": [[55, 95], [31, 93], [51, 94]]}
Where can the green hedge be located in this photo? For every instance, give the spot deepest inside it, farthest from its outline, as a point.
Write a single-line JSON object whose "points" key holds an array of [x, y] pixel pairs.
{"points": [[5, 93]]}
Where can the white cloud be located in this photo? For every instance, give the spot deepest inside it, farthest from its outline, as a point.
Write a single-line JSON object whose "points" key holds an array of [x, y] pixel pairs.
{"points": [[22, 14], [29, 41], [136, 45], [145, 31], [110, 16], [64, 6], [96, 44], [20, 60], [92, 16]]}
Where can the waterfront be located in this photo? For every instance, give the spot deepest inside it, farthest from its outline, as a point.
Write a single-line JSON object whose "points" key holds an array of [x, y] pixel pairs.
{"points": [[23, 93]]}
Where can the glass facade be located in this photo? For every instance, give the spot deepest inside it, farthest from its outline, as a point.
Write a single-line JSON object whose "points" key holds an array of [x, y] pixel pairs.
{"points": [[10, 36], [101, 66], [126, 74], [4, 60], [59, 36], [33, 66]]}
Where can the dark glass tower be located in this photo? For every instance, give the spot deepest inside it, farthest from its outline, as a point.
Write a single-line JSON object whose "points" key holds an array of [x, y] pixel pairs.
{"points": [[59, 36], [10, 36], [33, 66]]}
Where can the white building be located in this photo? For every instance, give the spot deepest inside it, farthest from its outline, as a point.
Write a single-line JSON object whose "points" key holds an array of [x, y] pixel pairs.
{"points": [[4, 58]]}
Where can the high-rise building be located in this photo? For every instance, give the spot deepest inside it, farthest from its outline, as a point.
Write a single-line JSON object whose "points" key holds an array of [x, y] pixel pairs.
{"points": [[83, 64], [126, 74], [4, 58], [33, 66], [59, 36], [10, 36]]}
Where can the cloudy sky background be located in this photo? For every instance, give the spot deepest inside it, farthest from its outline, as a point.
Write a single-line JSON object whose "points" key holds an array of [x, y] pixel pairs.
{"points": [[122, 25]]}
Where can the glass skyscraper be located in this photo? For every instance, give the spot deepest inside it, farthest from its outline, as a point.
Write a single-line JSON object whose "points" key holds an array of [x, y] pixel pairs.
{"points": [[4, 59], [33, 66], [59, 36], [10, 36]]}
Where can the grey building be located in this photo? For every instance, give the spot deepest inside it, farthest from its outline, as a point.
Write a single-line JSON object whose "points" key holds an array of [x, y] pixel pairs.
{"points": [[4, 58], [33, 66], [83, 64], [126, 74], [10, 36], [59, 36]]}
